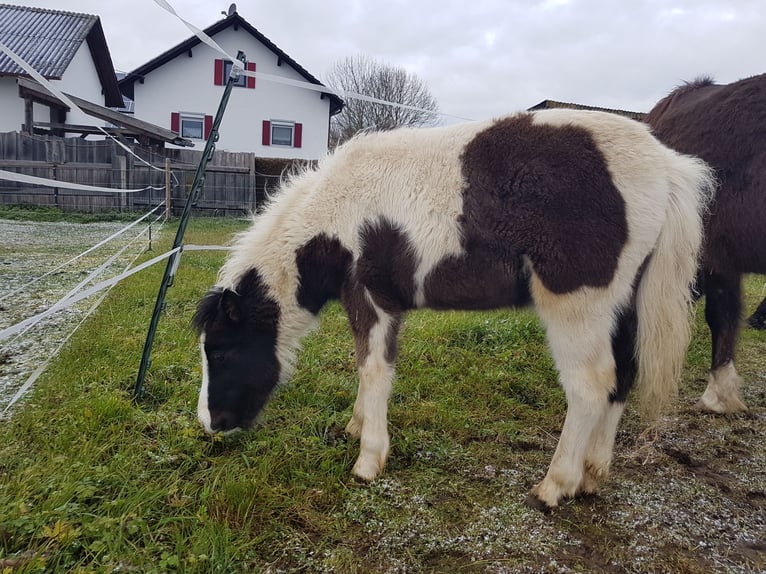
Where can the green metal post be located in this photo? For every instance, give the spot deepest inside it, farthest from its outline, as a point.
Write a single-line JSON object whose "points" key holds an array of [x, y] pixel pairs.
{"points": [[173, 260]]}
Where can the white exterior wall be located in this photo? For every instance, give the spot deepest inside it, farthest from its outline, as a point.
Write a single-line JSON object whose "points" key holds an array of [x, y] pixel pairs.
{"points": [[187, 85], [11, 105], [80, 79]]}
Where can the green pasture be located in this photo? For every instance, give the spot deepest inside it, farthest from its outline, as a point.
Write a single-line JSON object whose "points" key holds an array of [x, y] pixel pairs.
{"points": [[91, 482]]}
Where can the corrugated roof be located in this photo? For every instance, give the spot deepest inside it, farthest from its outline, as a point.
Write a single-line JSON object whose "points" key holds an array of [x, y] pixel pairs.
{"points": [[47, 39]]}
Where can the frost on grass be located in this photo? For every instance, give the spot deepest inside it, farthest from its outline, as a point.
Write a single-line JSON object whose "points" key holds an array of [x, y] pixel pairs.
{"points": [[29, 250]]}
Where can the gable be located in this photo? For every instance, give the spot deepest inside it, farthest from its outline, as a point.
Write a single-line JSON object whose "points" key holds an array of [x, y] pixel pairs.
{"points": [[236, 22]]}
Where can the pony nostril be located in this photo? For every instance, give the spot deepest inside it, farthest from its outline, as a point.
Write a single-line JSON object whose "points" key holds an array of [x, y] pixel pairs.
{"points": [[222, 421]]}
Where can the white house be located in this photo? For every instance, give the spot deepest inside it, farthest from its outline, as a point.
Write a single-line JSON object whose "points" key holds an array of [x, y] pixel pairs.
{"points": [[67, 49], [181, 89]]}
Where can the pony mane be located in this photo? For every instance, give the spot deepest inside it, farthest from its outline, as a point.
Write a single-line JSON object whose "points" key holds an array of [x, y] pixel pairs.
{"points": [[689, 86]]}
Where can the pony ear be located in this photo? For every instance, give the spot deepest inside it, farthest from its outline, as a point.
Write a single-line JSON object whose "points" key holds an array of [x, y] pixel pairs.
{"points": [[231, 305]]}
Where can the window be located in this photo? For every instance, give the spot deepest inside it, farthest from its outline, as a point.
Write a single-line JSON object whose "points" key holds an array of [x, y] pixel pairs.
{"points": [[241, 81], [191, 125], [222, 69], [282, 133]]}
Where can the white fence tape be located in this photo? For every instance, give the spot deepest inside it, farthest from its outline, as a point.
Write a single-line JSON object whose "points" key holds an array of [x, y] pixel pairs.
{"points": [[287, 81], [44, 365], [76, 257], [65, 303], [70, 299], [31, 179]]}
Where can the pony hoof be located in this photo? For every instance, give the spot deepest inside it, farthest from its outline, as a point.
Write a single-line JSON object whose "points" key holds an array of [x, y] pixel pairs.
{"points": [[720, 406], [366, 470], [757, 323], [546, 493], [535, 503]]}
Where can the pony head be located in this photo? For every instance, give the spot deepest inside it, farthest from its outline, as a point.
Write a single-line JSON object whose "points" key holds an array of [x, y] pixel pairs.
{"points": [[238, 340]]}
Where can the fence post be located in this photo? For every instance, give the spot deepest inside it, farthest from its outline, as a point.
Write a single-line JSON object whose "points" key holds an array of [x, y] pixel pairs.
{"points": [[55, 189], [167, 189], [253, 181], [119, 177], [175, 258]]}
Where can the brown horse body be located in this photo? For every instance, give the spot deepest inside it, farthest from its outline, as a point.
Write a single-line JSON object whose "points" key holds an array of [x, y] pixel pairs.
{"points": [[726, 126]]}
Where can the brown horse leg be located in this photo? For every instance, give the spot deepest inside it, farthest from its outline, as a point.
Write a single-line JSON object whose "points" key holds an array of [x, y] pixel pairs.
{"points": [[758, 319], [723, 306]]}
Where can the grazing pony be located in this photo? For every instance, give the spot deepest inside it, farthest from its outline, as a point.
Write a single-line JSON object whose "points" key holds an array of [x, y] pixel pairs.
{"points": [[725, 125], [583, 214]]}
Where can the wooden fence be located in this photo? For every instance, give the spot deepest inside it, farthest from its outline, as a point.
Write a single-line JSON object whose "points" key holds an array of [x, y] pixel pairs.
{"points": [[235, 183]]}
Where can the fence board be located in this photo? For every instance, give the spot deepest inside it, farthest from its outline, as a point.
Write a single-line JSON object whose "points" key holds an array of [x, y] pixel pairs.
{"points": [[235, 183]]}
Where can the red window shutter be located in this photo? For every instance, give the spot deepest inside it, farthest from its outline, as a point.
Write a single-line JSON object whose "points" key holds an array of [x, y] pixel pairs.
{"points": [[218, 73], [175, 122], [266, 132], [250, 79], [208, 126], [298, 135]]}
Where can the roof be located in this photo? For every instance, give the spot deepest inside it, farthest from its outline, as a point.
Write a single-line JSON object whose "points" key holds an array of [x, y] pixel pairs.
{"points": [[549, 104], [233, 19], [49, 40], [126, 124]]}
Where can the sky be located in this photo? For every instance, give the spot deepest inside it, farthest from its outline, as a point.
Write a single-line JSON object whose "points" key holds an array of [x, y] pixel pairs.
{"points": [[479, 58]]}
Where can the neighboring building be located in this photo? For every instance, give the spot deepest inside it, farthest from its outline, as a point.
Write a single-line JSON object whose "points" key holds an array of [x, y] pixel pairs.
{"points": [[550, 104], [181, 89], [67, 49]]}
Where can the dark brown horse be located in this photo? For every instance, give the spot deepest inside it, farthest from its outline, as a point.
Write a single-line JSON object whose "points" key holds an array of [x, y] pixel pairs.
{"points": [[726, 126]]}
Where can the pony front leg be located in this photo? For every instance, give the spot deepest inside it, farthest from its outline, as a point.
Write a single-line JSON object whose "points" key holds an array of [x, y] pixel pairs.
{"points": [[370, 418], [375, 333]]}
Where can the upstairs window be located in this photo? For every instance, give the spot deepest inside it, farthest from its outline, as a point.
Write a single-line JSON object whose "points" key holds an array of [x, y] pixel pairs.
{"points": [[282, 133], [222, 69], [240, 82], [191, 125]]}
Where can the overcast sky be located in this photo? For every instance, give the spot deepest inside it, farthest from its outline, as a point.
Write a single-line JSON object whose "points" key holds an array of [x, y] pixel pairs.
{"points": [[479, 58]]}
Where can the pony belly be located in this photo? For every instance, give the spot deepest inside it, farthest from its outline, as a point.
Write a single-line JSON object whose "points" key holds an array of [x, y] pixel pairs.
{"points": [[476, 281]]}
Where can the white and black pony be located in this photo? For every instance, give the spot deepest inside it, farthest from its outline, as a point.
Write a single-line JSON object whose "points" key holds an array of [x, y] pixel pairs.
{"points": [[583, 214], [725, 125]]}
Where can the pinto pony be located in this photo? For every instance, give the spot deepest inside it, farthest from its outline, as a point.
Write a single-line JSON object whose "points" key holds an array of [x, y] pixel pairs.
{"points": [[583, 214], [725, 125]]}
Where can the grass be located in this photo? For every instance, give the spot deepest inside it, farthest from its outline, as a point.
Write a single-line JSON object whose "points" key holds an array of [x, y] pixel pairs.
{"points": [[91, 482], [41, 213]]}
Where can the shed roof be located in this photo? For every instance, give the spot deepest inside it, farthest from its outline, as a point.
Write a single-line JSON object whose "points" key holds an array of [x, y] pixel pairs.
{"points": [[233, 19], [126, 124], [49, 40]]}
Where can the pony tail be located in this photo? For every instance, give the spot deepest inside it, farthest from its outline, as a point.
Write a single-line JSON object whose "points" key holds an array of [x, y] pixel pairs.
{"points": [[664, 295]]}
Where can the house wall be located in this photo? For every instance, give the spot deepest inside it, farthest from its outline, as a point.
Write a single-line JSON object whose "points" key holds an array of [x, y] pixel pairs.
{"points": [[80, 79], [11, 105], [186, 84]]}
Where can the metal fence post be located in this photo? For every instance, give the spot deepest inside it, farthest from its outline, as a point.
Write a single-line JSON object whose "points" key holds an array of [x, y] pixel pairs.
{"points": [[173, 260]]}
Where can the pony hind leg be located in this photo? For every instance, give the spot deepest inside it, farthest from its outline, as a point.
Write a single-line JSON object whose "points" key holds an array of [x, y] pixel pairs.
{"points": [[723, 306], [375, 334], [598, 457], [579, 336]]}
